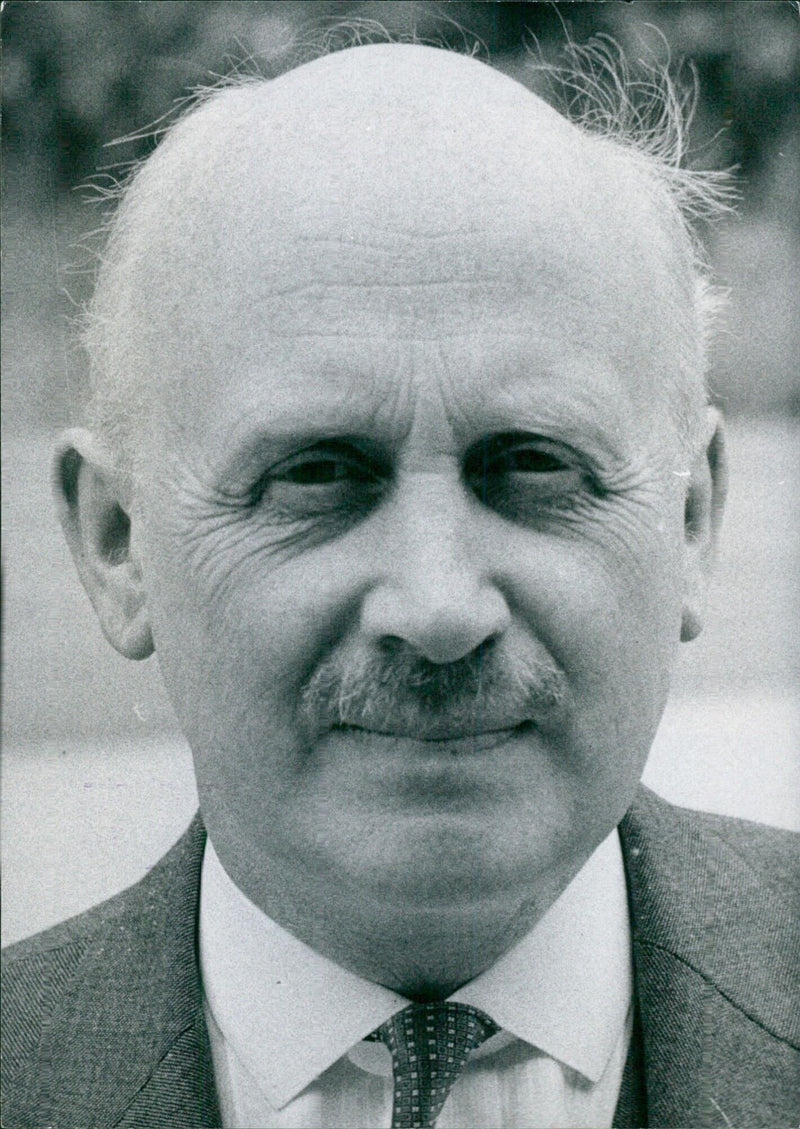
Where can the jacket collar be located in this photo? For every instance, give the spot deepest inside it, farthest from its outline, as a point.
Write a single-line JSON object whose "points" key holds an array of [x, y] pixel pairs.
{"points": [[695, 908]]}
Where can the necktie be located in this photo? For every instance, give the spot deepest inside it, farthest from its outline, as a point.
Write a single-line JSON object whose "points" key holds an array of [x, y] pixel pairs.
{"points": [[430, 1044]]}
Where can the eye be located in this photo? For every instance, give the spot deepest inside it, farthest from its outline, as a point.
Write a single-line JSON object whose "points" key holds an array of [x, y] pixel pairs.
{"points": [[526, 460], [328, 478], [321, 471], [520, 475]]}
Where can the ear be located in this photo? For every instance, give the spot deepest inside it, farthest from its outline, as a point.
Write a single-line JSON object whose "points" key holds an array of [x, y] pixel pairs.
{"points": [[705, 502], [95, 519]]}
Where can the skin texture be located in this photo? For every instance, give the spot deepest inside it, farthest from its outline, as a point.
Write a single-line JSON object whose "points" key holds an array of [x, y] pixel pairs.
{"points": [[407, 420]]}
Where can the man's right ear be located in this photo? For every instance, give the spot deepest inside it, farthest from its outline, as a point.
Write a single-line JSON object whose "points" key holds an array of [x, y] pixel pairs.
{"points": [[97, 527]]}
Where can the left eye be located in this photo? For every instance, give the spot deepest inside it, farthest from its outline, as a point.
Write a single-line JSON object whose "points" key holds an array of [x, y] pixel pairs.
{"points": [[512, 454], [524, 477], [526, 460]]}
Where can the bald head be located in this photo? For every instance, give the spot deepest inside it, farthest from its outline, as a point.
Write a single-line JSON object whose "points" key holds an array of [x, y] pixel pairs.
{"points": [[424, 178]]}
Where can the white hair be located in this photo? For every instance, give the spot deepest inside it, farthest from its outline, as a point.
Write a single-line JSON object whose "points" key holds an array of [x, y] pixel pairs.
{"points": [[645, 116]]}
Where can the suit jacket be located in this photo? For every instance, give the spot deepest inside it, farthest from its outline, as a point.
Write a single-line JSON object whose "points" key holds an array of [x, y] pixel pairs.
{"points": [[103, 1021]]}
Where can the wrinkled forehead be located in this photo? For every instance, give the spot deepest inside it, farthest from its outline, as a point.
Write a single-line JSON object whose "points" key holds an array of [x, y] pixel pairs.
{"points": [[400, 187]]}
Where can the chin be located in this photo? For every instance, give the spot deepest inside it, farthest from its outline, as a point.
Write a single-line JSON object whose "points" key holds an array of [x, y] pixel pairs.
{"points": [[451, 860]]}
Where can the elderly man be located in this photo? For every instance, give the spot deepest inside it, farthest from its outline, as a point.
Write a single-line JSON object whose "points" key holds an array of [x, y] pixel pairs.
{"points": [[400, 461]]}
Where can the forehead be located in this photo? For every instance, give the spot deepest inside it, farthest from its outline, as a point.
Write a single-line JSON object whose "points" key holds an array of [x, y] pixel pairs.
{"points": [[395, 200]]}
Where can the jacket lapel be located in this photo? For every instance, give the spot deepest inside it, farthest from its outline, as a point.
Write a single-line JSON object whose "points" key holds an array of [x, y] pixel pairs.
{"points": [[181, 1092], [713, 981], [144, 1060]]}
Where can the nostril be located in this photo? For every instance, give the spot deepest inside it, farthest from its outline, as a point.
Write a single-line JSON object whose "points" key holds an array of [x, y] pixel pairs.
{"points": [[392, 644]]}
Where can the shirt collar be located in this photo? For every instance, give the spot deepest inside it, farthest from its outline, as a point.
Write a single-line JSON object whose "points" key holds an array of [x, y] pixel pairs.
{"points": [[290, 1013]]}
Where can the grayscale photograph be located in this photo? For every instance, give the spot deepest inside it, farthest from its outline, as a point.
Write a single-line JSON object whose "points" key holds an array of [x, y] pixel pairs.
{"points": [[401, 542]]}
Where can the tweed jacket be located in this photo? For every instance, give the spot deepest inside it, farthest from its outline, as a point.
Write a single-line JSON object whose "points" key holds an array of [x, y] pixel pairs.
{"points": [[103, 1019]]}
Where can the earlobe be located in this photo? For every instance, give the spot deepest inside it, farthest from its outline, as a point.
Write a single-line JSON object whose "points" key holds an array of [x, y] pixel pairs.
{"points": [[703, 510], [96, 523]]}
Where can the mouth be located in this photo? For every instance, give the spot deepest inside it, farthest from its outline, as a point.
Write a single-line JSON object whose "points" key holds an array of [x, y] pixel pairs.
{"points": [[440, 737]]}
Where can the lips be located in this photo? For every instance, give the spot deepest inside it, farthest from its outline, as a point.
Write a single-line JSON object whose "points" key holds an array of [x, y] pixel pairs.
{"points": [[441, 734]]}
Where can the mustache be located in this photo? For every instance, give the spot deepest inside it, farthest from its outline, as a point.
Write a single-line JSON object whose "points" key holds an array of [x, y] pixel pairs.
{"points": [[404, 694]]}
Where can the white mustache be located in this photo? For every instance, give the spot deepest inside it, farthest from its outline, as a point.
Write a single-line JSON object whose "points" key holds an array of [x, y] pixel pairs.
{"points": [[405, 695]]}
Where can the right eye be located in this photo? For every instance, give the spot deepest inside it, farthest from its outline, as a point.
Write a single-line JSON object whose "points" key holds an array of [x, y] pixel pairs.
{"points": [[316, 471], [323, 479]]}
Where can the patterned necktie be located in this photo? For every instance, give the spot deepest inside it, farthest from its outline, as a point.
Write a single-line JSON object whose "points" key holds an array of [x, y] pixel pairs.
{"points": [[430, 1044]]}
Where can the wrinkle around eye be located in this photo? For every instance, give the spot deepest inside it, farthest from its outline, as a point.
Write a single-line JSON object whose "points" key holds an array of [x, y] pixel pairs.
{"points": [[284, 501], [528, 503], [223, 542]]}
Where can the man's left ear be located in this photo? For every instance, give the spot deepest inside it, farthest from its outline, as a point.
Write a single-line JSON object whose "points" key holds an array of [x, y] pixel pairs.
{"points": [[705, 502]]}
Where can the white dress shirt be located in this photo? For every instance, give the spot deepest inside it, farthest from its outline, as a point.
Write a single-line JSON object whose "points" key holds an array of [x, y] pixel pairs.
{"points": [[287, 1025]]}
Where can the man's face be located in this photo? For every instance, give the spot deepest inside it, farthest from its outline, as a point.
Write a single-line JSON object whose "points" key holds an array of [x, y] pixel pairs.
{"points": [[411, 532]]}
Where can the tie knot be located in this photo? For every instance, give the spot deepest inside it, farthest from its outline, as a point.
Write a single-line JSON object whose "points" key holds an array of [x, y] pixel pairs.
{"points": [[430, 1044]]}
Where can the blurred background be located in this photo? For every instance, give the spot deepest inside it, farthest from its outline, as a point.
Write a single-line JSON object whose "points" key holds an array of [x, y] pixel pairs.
{"points": [[96, 779]]}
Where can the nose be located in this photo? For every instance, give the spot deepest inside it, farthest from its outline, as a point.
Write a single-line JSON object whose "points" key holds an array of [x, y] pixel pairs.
{"points": [[436, 593]]}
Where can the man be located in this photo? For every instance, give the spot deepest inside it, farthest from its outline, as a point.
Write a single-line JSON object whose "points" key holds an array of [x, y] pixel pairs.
{"points": [[399, 459]]}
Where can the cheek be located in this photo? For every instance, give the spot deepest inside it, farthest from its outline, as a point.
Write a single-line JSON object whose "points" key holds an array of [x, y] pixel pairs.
{"points": [[608, 610], [237, 633], [614, 630]]}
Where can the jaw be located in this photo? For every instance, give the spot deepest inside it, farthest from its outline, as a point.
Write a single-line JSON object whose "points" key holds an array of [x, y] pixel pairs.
{"points": [[421, 903], [428, 948]]}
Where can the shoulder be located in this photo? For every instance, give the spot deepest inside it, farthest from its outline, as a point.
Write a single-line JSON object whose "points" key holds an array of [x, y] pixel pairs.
{"points": [[39, 969], [34, 974], [126, 911], [718, 895], [695, 845], [769, 852], [98, 953]]}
